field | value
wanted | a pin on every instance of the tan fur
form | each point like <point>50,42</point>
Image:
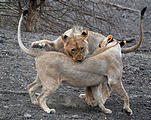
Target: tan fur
<point>72,42</point>
<point>93,41</point>
<point>54,68</point>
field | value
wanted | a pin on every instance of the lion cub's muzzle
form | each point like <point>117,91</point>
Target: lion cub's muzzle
<point>79,58</point>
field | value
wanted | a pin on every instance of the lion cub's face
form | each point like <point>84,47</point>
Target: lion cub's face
<point>76,46</point>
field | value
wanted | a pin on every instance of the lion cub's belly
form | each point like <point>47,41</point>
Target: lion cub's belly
<point>84,79</point>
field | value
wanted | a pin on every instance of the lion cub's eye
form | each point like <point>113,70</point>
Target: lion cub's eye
<point>82,48</point>
<point>65,36</point>
<point>73,50</point>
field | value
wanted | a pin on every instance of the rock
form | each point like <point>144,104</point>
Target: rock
<point>75,116</point>
<point>6,107</point>
<point>1,41</point>
<point>26,115</point>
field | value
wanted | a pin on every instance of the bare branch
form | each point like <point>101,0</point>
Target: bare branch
<point>10,92</point>
<point>11,8</point>
<point>115,5</point>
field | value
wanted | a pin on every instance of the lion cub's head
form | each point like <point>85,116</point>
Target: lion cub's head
<point>76,45</point>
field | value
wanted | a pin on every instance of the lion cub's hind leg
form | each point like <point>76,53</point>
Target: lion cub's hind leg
<point>47,89</point>
<point>32,87</point>
<point>116,84</point>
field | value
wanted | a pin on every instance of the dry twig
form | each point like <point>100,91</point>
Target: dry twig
<point>12,92</point>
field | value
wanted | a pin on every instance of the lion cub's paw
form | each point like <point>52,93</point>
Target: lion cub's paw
<point>37,44</point>
<point>128,110</point>
<point>50,111</point>
<point>34,101</point>
<point>108,111</point>
<point>82,96</point>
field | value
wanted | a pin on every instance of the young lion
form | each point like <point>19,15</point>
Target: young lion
<point>74,45</point>
<point>54,68</point>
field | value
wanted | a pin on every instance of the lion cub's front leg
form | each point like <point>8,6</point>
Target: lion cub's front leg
<point>45,44</point>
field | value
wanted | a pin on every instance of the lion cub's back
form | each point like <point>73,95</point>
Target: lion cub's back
<point>94,40</point>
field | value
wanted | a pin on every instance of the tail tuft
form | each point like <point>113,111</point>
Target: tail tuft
<point>143,11</point>
<point>25,12</point>
<point>122,43</point>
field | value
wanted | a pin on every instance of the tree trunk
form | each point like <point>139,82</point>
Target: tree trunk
<point>32,10</point>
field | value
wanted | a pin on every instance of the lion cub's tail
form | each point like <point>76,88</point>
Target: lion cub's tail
<point>30,52</point>
<point>137,45</point>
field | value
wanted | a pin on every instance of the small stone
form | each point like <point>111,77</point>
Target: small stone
<point>26,115</point>
<point>6,106</point>
<point>1,41</point>
<point>75,116</point>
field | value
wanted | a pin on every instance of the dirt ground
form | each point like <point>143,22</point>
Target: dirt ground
<point>17,70</point>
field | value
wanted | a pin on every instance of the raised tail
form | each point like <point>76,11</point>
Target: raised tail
<point>137,45</point>
<point>30,52</point>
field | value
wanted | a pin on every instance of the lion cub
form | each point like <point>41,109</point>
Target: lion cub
<point>74,44</point>
<point>103,45</point>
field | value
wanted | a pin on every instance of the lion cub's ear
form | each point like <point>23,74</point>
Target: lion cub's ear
<point>110,38</point>
<point>85,34</point>
<point>64,38</point>
<point>100,44</point>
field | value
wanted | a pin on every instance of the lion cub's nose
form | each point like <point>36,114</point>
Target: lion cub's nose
<point>79,60</point>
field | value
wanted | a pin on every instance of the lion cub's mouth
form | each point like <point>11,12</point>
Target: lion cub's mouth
<point>80,60</point>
